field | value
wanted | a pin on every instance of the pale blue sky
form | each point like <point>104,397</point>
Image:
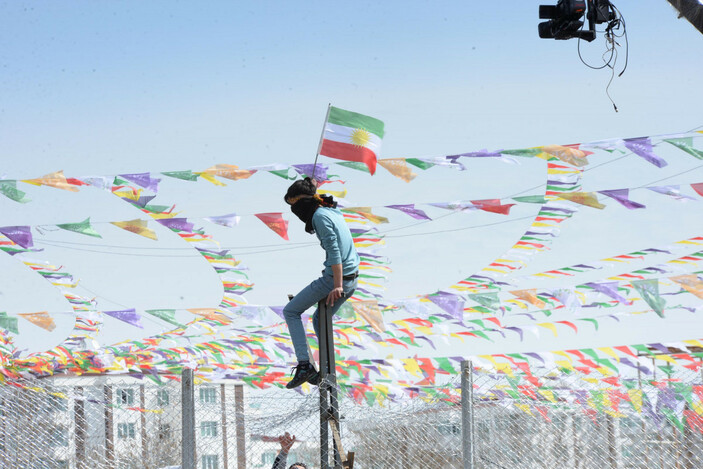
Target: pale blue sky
<point>108,87</point>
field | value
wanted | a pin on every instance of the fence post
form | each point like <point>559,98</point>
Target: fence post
<point>239,423</point>
<point>223,424</point>
<point>79,422</point>
<point>188,419</point>
<point>467,413</point>
<point>142,423</point>
<point>109,427</point>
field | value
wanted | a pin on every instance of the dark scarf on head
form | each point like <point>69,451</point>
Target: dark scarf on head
<point>305,208</point>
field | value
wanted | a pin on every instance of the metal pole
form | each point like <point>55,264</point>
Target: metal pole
<point>322,135</point>
<point>467,412</point>
<point>79,422</point>
<point>109,430</point>
<point>188,420</point>
<point>332,380</point>
<point>324,369</point>
<point>142,421</point>
<point>223,424</point>
<point>239,423</point>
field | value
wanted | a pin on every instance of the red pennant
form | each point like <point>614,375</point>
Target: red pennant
<point>276,222</point>
<point>492,205</point>
<point>698,187</point>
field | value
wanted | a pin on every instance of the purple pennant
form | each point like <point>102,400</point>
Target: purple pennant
<point>278,310</point>
<point>449,302</point>
<point>422,337</point>
<point>130,316</point>
<point>143,200</point>
<point>661,347</point>
<point>306,170</point>
<point>143,179</point>
<point>621,195</point>
<point>21,235</point>
<point>642,147</point>
<point>411,210</point>
<point>453,160</point>
<point>461,206</point>
<point>229,220</point>
<point>608,289</point>
<point>539,233</point>
<point>535,355</point>
<point>637,366</point>
<point>672,191</point>
<point>478,154</point>
<point>212,251</point>
<point>516,329</point>
<point>177,224</point>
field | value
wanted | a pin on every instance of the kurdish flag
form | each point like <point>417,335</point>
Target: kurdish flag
<point>352,137</point>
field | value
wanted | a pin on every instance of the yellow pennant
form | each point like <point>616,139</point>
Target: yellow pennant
<point>371,313</point>
<point>550,326</point>
<point>366,213</point>
<point>228,171</point>
<point>210,313</point>
<point>41,319</point>
<point>588,199</point>
<point>690,283</point>
<point>568,155</point>
<point>136,226</point>
<point>530,295</point>
<point>57,180</point>
<point>398,167</point>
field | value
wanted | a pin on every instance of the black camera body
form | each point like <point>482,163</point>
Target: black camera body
<point>564,20</point>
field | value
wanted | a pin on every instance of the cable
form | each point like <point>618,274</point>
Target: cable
<point>286,248</point>
<point>610,33</point>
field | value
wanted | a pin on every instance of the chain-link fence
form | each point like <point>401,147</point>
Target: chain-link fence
<point>553,420</point>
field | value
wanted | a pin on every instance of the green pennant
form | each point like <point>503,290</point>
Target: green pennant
<point>445,365</point>
<point>608,363</point>
<point>531,199</point>
<point>526,152</point>
<point>482,335</point>
<point>118,181</point>
<point>686,144</point>
<point>156,208</point>
<point>283,173</point>
<point>489,300</point>
<point>82,228</point>
<point>649,290</point>
<point>595,323</point>
<point>9,190</point>
<point>168,315</point>
<point>642,348</point>
<point>184,175</point>
<point>355,165</point>
<point>8,323</point>
<point>419,163</point>
<point>673,419</point>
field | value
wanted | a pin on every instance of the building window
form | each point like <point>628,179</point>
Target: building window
<point>162,398</point>
<point>208,428</point>
<point>164,431</point>
<point>209,461</point>
<point>449,429</point>
<point>208,395</point>
<point>126,430</point>
<point>125,397</point>
<point>57,404</point>
<point>59,437</point>
<point>268,458</point>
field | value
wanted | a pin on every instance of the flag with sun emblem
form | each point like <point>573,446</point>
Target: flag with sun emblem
<point>351,136</point>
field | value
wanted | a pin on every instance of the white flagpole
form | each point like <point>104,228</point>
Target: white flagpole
<point>319,146</point>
